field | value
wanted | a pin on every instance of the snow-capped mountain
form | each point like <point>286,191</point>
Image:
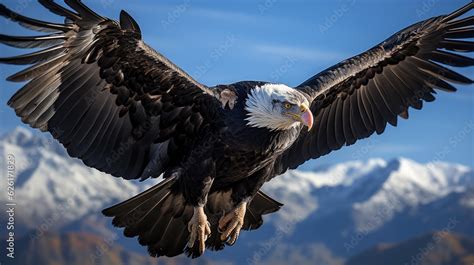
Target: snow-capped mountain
<point>51,187</point>
<point>369,187</point>
<point>345,206</point>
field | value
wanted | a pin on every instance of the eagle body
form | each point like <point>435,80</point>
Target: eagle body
<point>238,152</point>
<point>126,110</point>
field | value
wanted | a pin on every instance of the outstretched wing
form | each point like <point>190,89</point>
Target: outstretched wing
<point>359,96</point>
<point>103,93</point>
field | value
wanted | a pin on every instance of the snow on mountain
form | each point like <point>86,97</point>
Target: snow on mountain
<point>299,190</point>
<point>408,185</point>
<point>371,188</point>
<point>51,185</point>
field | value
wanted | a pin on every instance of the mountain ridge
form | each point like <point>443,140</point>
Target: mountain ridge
<point>345,207</point>
<point>437,248</point>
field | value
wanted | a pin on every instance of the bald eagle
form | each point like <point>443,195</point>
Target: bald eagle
<point>126,110</point>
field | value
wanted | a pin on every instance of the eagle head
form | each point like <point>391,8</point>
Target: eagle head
<point>277,107</point>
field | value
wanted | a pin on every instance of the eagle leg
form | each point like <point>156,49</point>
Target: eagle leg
<point>199,229</point>
<point>232,222</point>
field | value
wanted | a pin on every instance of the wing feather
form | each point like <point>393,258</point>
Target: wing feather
<point>102,92</point>
<point>357,124</point>
<point>32,41</point>
<point>339,132</point>
<point>346,123</point>
<point>360,95</point>
<point>364,113</point>
<point>33,24</point>
<point>462,33</point>
<point>331,135</point>
<point>322,137</point>
<point>59,10</point>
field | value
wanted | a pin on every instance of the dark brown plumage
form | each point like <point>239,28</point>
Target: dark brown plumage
<point>125,109</point>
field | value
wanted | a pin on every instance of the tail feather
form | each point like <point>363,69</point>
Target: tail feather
<point>130,204</point>
<point>159,217</point>
<point>145,215</point>
<point>173,238</point>
<point>260,205</point>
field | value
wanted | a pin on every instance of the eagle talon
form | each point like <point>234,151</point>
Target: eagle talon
<point>199,229</point>
<point>219,230</point>
<point>231,224</point>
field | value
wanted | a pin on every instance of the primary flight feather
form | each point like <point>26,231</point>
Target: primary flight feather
<point>126,110</point>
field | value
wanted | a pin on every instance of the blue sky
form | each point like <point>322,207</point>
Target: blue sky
<point>221,42</point>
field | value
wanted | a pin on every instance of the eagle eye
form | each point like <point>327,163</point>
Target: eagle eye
<point>287,105</point>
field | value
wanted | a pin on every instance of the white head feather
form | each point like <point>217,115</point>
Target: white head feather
<point>261,110</point>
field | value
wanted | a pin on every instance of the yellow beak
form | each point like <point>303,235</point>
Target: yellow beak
<point>306,117</point>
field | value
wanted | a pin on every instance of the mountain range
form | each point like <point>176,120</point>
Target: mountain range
<point>439,248</point>
<point>331,213</point>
